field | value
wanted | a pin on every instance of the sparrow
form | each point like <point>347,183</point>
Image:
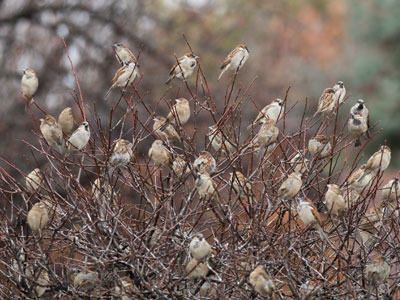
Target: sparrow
<point>29,83</point>
<point>205,162</point>
<point>34,180</point>
<point>123,54</point>
<point>272,111</point>
<point>218,141</point>
<point>43,282</point>
<point>334,201</point>
<point>79,139</point>
<point>290,187</point>
<point>380,160</point>
<point>370,225</point>
<point>199,247</point>
<point>309,214</point>
<point>240,186</point>
<point>164,130</point>
<point>38,216</point>
<point>179,166</point>
<point>84,281</point>
<point>208,288</point>
<point>320,145</point>
<point>124,76</point>
<point>360,108</point>
<point>122,154</point>
<point>66,120</point>
<point>360,179</point>
<point>205,185</point>
<point>183,68</point>
<point>350,196</point>
<point>357,126</point>
<point>340,92</point>
<point>179,111</point>
<point>127,289</point>
<point>326,101</point>
<point>299,163</point>
<point>378,271</point>
<point>235,59</point>
<point>160,155</point>
<point>196,269</point>
<point>52,133</point>
<point>391,190</point>
<point>262,282</point>
<point>266,136</point>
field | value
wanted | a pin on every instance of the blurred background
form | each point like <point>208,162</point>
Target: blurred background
<point>307,45</point>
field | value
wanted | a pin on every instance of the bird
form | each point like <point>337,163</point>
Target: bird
<point>38,216</point>
<point>360,108</point>
<point>160,155</point>
<point>299,163</point>
<point>66,120</point>
<point>43,281</point>
<point>127,289</point>
<point>309,214</point>
<point>123,77</point>
<point>179,166</point>
<point>380,160</point>
<point>272,111</point>
<point>122,154</point>
<point>262,282</point>
<point>357,126</point>
<point>79,139</point>
<point>33,180</point>
<point>326,101</point>
<point>123,54</point>
<point>340,92</point>
<point>199,247</point>
<point>164,130</point>
<point>266,136</point>
<point>320,145</point>
<point>235,59</point>
<point>218,141</point>
<point>334,201</point>
<point>84,281</point>
<point>240,186</point>
<point>360,179</point>
<point>205,162</point>
<point>196,269</point>
<point>370,225</point>
<point>391,190</point>
<point>179,111</point>
<point>290,187</point>
<point>183,68</point>
<point>205,185</point>
<point>377,272</point>
<point>29,83</point>
<point>52,133</point>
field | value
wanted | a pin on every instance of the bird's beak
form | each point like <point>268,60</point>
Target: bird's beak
<point>115,46</point>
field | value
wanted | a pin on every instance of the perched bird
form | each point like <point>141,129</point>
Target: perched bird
<point>43,281</point>
<point>79,139</point>
<point>235,59</point>
<point>240,186</point>
<point>122,154</point>
<point>380,160</point>
<point>326,101</point>
<point>378,271</point>
<point>272,111</point>
<point>196,269</point>
<point>205,162</point>
<point>350,196</point>
<point>360,179</point>
<point>199,247</point>
<point>209,288</point>
<point>179,166</point>
<point>309,214</point>
<point>29,83</point>
<point>218,141</point>
<point>391,190</point>
<point>357,126</point>
<point>160,155</point>
<point>34,180</point>
<point>164,130</point>
<point>38,216</point>
<point>183,68</point>
<point>262,282</point>
<point>290,187</point>
<point>320,145</point>
<point>84,281</point>
<point>66,120</point>
<point>52,133</point>
<point>124,76</point>
<point>299,163</point>
<point>370,225</point>
<point>127,289</point>
<point>340,92</point>
<point>179,111</point>
<point>123,54</point>
<point>360,108</point>
<point>205,185</point>
<point>334,201</point>
<point>266,136</point>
